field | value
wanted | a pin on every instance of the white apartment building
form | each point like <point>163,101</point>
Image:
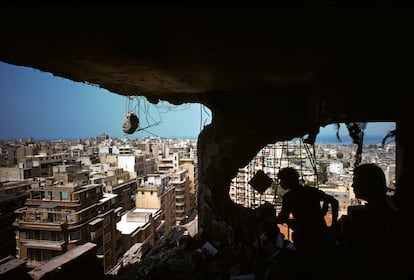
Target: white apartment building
<point>129,163</point>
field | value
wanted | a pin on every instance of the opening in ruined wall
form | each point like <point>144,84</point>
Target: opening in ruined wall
<point>53,107</point>
<point>327,163</point>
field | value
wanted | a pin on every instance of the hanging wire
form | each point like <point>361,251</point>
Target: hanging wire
<point>315,165</point>
<point>274,174</point>
<point>300,158</point>
<point>312,158</point>
<point>153,134</point>
<point>279,163</point>
<point>165,107</point>
<point>141,108</point>
<point>253,170</point>
<point>287,154</point>
<point>146,108</point>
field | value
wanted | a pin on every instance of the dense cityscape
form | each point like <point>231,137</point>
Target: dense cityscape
<point>123,194</point>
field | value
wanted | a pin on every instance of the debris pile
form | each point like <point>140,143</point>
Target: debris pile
<point>180,256</point>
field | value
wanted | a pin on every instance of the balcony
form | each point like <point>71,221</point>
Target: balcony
<point>44,244</point>
<point>44,220</point>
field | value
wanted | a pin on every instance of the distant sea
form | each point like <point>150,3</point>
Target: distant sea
<point>345,139</point>
<point>331,139</point>
<point>326,139</point>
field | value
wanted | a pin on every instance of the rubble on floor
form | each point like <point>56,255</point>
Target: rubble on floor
<point>180,256</point>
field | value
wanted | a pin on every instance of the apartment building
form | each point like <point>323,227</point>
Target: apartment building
<point>191,166</point>
<point>181,182</point>
<point>45,161</point>
<point>111,159</point>
<point>73,172</point>
<point>154,214</point>
<point>59,217</point>
<point>157,192</point>
<point>117,181</point>
<point>13,196</point>
<point>8,155</point>
<point>18,173</point>
<point>24,151</point>
<point>141,226</point>
<point>183,172</point>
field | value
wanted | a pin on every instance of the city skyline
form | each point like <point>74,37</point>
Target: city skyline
<point>40,105</point>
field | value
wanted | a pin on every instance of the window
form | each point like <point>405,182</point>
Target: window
<point>64,195</point>
<point>51,217</point>
<point>45,235</point>
<point>74,236</point>
<point>31,255</point>
<point>30,234</point>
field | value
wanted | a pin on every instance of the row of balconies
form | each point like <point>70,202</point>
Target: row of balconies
<point>44,244</point>
<point>57,217</point>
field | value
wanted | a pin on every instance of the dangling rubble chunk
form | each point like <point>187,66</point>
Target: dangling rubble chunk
<point>131,123</point>
<point>260,181</point>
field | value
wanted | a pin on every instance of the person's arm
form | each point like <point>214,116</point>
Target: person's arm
<point>325,207</point>
<point>283,216</point>
<point>334,208</point>
<point>329,199</point>
<point>335,211</point>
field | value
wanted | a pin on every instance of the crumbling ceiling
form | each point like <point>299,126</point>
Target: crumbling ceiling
<point>186,52</point>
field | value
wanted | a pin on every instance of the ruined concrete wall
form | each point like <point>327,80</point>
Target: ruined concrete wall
<point>239,129</point>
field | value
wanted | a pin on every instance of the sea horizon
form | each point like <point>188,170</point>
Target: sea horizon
<point>346,139</point>
<point>320,139</point>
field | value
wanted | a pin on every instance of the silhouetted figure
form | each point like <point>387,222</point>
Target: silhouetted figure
<point>304,209</point>
<point>269,238</point>
<point>269,233</point>
<point>404,193</point>
<point>368,232</point>
<point>402,234</point>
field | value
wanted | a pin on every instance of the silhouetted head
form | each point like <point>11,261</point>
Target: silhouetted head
<point>288,177</point>
<point>369,182</point>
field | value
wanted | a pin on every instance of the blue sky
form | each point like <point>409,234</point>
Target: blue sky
<point>42,106</point>
<point>39,105</point>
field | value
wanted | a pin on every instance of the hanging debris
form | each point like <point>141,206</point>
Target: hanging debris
<point>356,132</point>
<point>390,134</point>
<point>260,182</point>
<point>311,136</point>
<point>131,123</point>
